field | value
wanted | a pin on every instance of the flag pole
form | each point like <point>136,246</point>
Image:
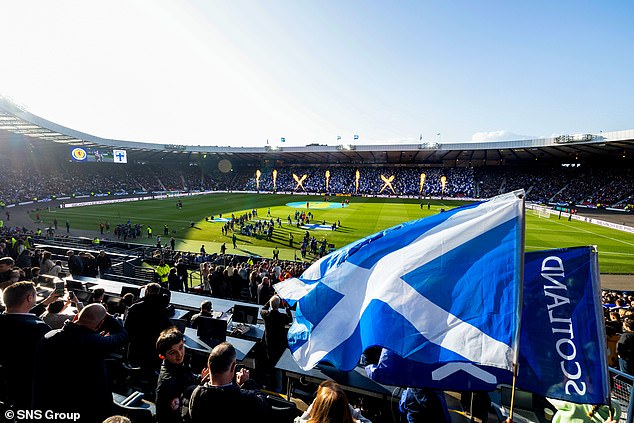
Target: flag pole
<point>516,352</point>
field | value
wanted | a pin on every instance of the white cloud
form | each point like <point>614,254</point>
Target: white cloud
<point>501,135</point>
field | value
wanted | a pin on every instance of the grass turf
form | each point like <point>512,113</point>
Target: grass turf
<point>362,217</point>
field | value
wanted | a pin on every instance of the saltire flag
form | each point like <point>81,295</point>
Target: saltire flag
<point>443,289</point>
<point>356,137</point>
<point>562,338</point>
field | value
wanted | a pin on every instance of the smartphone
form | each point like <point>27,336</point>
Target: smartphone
<point>59,289</point>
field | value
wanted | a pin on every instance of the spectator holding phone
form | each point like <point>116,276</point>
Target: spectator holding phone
<point>80,345</point>
<point>54,315</point>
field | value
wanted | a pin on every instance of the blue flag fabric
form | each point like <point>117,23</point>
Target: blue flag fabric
<point>562,348</point>
<point>441,289</point>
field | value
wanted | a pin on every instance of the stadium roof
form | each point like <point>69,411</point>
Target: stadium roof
<point>15,120</point>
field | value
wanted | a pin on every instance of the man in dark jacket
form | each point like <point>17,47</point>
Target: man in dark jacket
<point>104,263</point>
<point>220,399</point>
<point>78,348</point>
<point>183,274</point>
<point>75,264</point>
<point>146,320</point>
<point>21,330</point>
<point>275,328</point>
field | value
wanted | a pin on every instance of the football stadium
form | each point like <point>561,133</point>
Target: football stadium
<point>359,279</point>
<point>278,210</point>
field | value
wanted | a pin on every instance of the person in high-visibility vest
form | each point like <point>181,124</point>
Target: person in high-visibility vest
<point>163,271</point>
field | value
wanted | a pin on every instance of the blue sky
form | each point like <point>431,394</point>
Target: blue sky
<point>240,72</point>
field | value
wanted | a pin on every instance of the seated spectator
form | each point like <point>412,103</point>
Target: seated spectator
<point>424,405</point>
<point>79,346</point>
<point>8,274</point>
<point>98,296</point>
<point>220,399</point>
<point>205,310</point>
<point>331,405</point>
<point>56,270</point>
<point>176,381</point>
<point>55,316</point>
<point>117,419</point>
<point>22,330</point>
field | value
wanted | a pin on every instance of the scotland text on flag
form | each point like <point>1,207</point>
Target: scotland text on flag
<point>445,287</point>
<point>562,341</point>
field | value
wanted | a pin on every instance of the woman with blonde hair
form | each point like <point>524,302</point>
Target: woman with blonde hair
<point>331,406</point>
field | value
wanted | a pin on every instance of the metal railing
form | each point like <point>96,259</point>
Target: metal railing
<point>621,393</point>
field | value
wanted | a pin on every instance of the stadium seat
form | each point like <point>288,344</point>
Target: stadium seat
<point>134,408</point>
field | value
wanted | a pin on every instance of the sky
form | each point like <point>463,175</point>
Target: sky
<point>241,72</point>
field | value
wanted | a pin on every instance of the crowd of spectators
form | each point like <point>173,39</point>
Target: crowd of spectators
<point>370,180</point>
<point>583,185</point>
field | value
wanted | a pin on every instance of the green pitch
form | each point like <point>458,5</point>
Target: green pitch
<point>363,216</point>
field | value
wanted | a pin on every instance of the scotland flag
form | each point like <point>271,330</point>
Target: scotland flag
<point>443,289</point>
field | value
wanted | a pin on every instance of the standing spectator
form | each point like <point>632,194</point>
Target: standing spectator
<point>104,263</point>
<point>625,348</point>
<point>174,282</point>
<point>265,291</point>
<point>67,226</point>
<point>275,341</point>
<point>183,274</point>
<point>146,319</point>
<point>75,264</point>
<point>78,345</point>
